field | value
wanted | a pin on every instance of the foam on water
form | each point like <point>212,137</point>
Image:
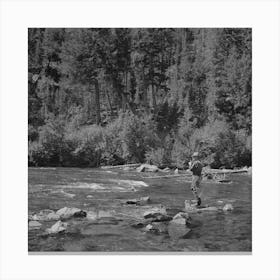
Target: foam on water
<point>131,183</point>
<point>113,185</point>
<point>80,185</point>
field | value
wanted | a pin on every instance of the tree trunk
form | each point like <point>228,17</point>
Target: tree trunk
<point>110,104</point>
<point>97,102</point>
<point>154,97</point>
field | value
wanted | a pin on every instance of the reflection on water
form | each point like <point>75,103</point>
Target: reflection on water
<point>210,231</point>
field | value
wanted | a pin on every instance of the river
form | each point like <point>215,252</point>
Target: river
<point>105,190</point>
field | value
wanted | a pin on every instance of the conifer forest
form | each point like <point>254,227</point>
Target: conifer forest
<point>111,96</point>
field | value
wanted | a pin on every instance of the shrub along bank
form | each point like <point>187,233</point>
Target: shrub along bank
<point>136,139</point>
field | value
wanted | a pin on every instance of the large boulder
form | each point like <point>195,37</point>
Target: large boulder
<point>59,226</point>
<point>147,168</point>
<point>66,213</point>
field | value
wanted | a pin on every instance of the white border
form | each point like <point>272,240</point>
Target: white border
<point>17,16</point>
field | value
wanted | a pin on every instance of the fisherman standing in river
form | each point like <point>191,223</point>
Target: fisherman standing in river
<point>195,167</point>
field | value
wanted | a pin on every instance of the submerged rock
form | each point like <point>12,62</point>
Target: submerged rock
<point>210,208</point>
<point>92,215</point>
<point>157,228</point>
<point>66,213</point>
<point>228,207</point>
<point>59,226</point>
<point>45,215</point>
<point>139,224</point>
<point>53,216</point>
<point>144,200</point>
<point>180,221</point>
<point>160,227</point>
<point>70,195</point>
<point>177,230</point>
<point>157,214</point>
<point>139,201</point>
<point>160,218</point>
<point>132,201</point>
<point>105,214</point>
<point>189,207</point>
<point>34,225</point>
<point>147,168</point>
<point>154,212</point>
<point>224,181</point>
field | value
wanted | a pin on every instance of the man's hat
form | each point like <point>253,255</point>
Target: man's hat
<point>195,154</point>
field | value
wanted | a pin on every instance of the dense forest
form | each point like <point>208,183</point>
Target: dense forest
<point>102,96</point>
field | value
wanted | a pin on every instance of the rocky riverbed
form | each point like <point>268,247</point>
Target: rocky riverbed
<point>115,210</point>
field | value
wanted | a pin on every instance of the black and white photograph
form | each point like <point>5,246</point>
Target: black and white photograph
<point>140,140</point>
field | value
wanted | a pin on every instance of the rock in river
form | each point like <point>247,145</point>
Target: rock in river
<point>45,215</point>
<point>182,215</point>
<point>189,207</point>
<point>181,218</point>
<point>34,225</point>
<point>155,210</point>
<point>139,201</point>
<point>176,230</point>
<point>228,207</point>
<point>57,227</point>
<point>157,228</point>
<point>209,208</point>
<point>66,213</point>
<point>147,168</point>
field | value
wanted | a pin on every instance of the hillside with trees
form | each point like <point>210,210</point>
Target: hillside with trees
<point>106,96</point>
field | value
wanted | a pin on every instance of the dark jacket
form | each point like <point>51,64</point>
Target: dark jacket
<point>196,168</point>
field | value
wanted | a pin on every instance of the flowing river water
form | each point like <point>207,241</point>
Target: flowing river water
<point>104,191</point>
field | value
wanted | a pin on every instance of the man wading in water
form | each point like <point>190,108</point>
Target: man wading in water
<point>196,167</point>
